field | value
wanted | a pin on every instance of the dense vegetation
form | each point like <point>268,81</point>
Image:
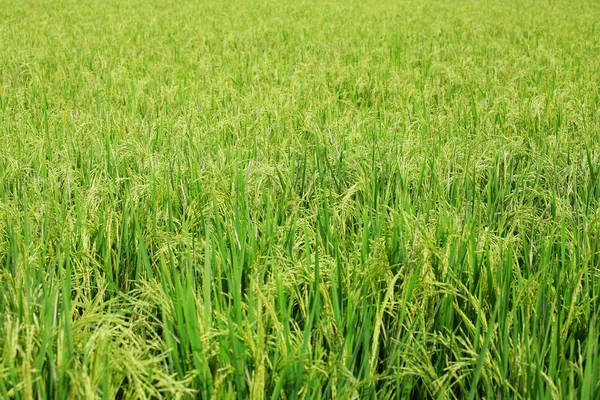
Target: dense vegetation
<point>315,199</point>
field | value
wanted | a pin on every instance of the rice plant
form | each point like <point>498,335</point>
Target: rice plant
<point>299,200</point>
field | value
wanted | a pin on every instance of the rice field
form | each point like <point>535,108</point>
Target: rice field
<point>300,199</point>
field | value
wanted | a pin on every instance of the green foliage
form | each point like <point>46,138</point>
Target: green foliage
<point>299,200</point>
